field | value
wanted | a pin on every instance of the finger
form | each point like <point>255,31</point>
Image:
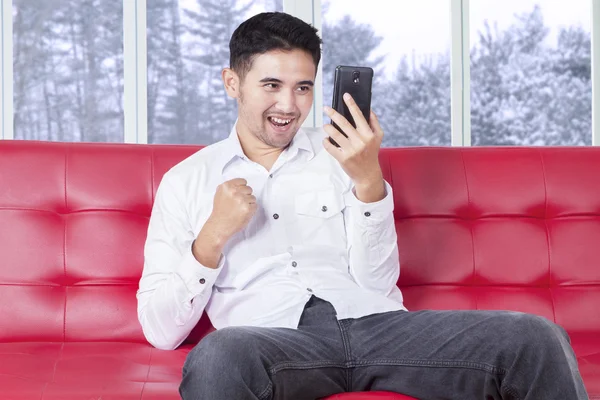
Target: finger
<point>251,199</point>
<point>362,126</point>
<point>238,182</point>
<point>244,189</point>
<point>343,123</point>
<point>375,126</point>
<point>337,136</point>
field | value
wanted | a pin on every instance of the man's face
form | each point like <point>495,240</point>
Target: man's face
<point>276,95</point>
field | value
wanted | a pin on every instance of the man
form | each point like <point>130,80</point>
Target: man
<point>288,243</point>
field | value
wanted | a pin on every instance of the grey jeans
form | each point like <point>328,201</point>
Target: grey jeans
<point>463,355</point>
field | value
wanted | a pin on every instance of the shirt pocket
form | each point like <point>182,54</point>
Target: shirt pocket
<point>319,218</point>
<point>319,204</point>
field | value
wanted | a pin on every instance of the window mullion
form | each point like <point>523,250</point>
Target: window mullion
<point>460,75</point>
<point>6,100</point>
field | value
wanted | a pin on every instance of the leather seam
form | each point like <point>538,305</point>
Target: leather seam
<point>462,158</point>
<point>65,246</point>
<point>65,282</point>
<point>547,235</point>
<point>62,346</point>
<point>44,390</point>
<point>60,354</point>
<point>147,374</point>
<point>89,210</point>
<point>66,175</point>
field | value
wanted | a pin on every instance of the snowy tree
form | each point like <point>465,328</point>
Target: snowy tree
<point>346,42</point>
<point>174,111</point>
<point>526,91</point>
<point>417,104</point>
<point>211,28</point>
<point>68,64</point>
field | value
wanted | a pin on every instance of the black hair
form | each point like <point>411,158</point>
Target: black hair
<point>271,31</point>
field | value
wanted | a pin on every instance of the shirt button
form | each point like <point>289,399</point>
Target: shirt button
<point>202,281</point>
<point>276,216</point>
<point>270,175</point>
<point>324,208</point>
<point>367,214</point>
<point>309,289</point>
<point>294,264</point>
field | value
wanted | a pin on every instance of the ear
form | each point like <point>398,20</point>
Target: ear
<point>231,80</point>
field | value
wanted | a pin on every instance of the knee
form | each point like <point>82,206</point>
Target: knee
<point>536,331</point>
<point>221,351</point>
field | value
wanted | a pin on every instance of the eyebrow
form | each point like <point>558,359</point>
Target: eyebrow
<point>275,80</point>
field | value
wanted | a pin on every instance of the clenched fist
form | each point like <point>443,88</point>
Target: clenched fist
<point>233,208</point>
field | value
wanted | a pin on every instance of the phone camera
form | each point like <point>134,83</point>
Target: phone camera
<point>355,76</point>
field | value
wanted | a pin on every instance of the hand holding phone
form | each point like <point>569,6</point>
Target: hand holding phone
<point>357,81</point>
<point>355,135</point>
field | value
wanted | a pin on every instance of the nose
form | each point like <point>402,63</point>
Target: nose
<point>286,101</point>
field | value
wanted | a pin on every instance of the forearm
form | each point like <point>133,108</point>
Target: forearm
<point>208,246</point>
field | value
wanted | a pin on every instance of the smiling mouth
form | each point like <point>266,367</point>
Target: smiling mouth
<point>280,122</point>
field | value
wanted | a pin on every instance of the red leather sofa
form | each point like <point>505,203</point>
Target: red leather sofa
<point>478,228</point>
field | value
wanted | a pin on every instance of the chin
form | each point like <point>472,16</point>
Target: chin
<point>280,143</point>
<point>280,140</point>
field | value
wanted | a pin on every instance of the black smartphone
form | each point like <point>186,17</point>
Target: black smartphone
<point>358,82</point>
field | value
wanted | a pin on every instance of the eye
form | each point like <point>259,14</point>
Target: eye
<point>271,85</point>
<point>304,88</point>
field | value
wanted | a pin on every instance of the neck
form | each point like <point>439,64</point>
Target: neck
<point>256,150</point>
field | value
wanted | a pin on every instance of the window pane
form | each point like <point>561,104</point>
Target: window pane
<point>188,46</point>
<point>531,72</point>
<point>68,70</point>
<point>408,46</point>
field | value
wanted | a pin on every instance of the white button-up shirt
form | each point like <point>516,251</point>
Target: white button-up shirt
<point>309,236</point>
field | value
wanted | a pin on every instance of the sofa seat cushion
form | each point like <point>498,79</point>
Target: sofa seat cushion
<point>587,349</point>
<point>90,370</point>
<point>120,371</point>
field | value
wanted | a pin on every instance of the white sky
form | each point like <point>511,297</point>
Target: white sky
<point>423,26</point>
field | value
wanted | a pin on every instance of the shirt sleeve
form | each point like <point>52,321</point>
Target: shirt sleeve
<point>174,288</point>
<point>372,242</point>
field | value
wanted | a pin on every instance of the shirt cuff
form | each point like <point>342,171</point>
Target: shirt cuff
<point>371,213</point>
<point>196,277</point>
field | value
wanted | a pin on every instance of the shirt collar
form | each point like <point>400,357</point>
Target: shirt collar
<point>233,148</point>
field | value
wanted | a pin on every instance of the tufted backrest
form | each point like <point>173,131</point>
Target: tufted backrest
<point>500,228</point>
<point>73,220</point>
<point>487,228</point>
